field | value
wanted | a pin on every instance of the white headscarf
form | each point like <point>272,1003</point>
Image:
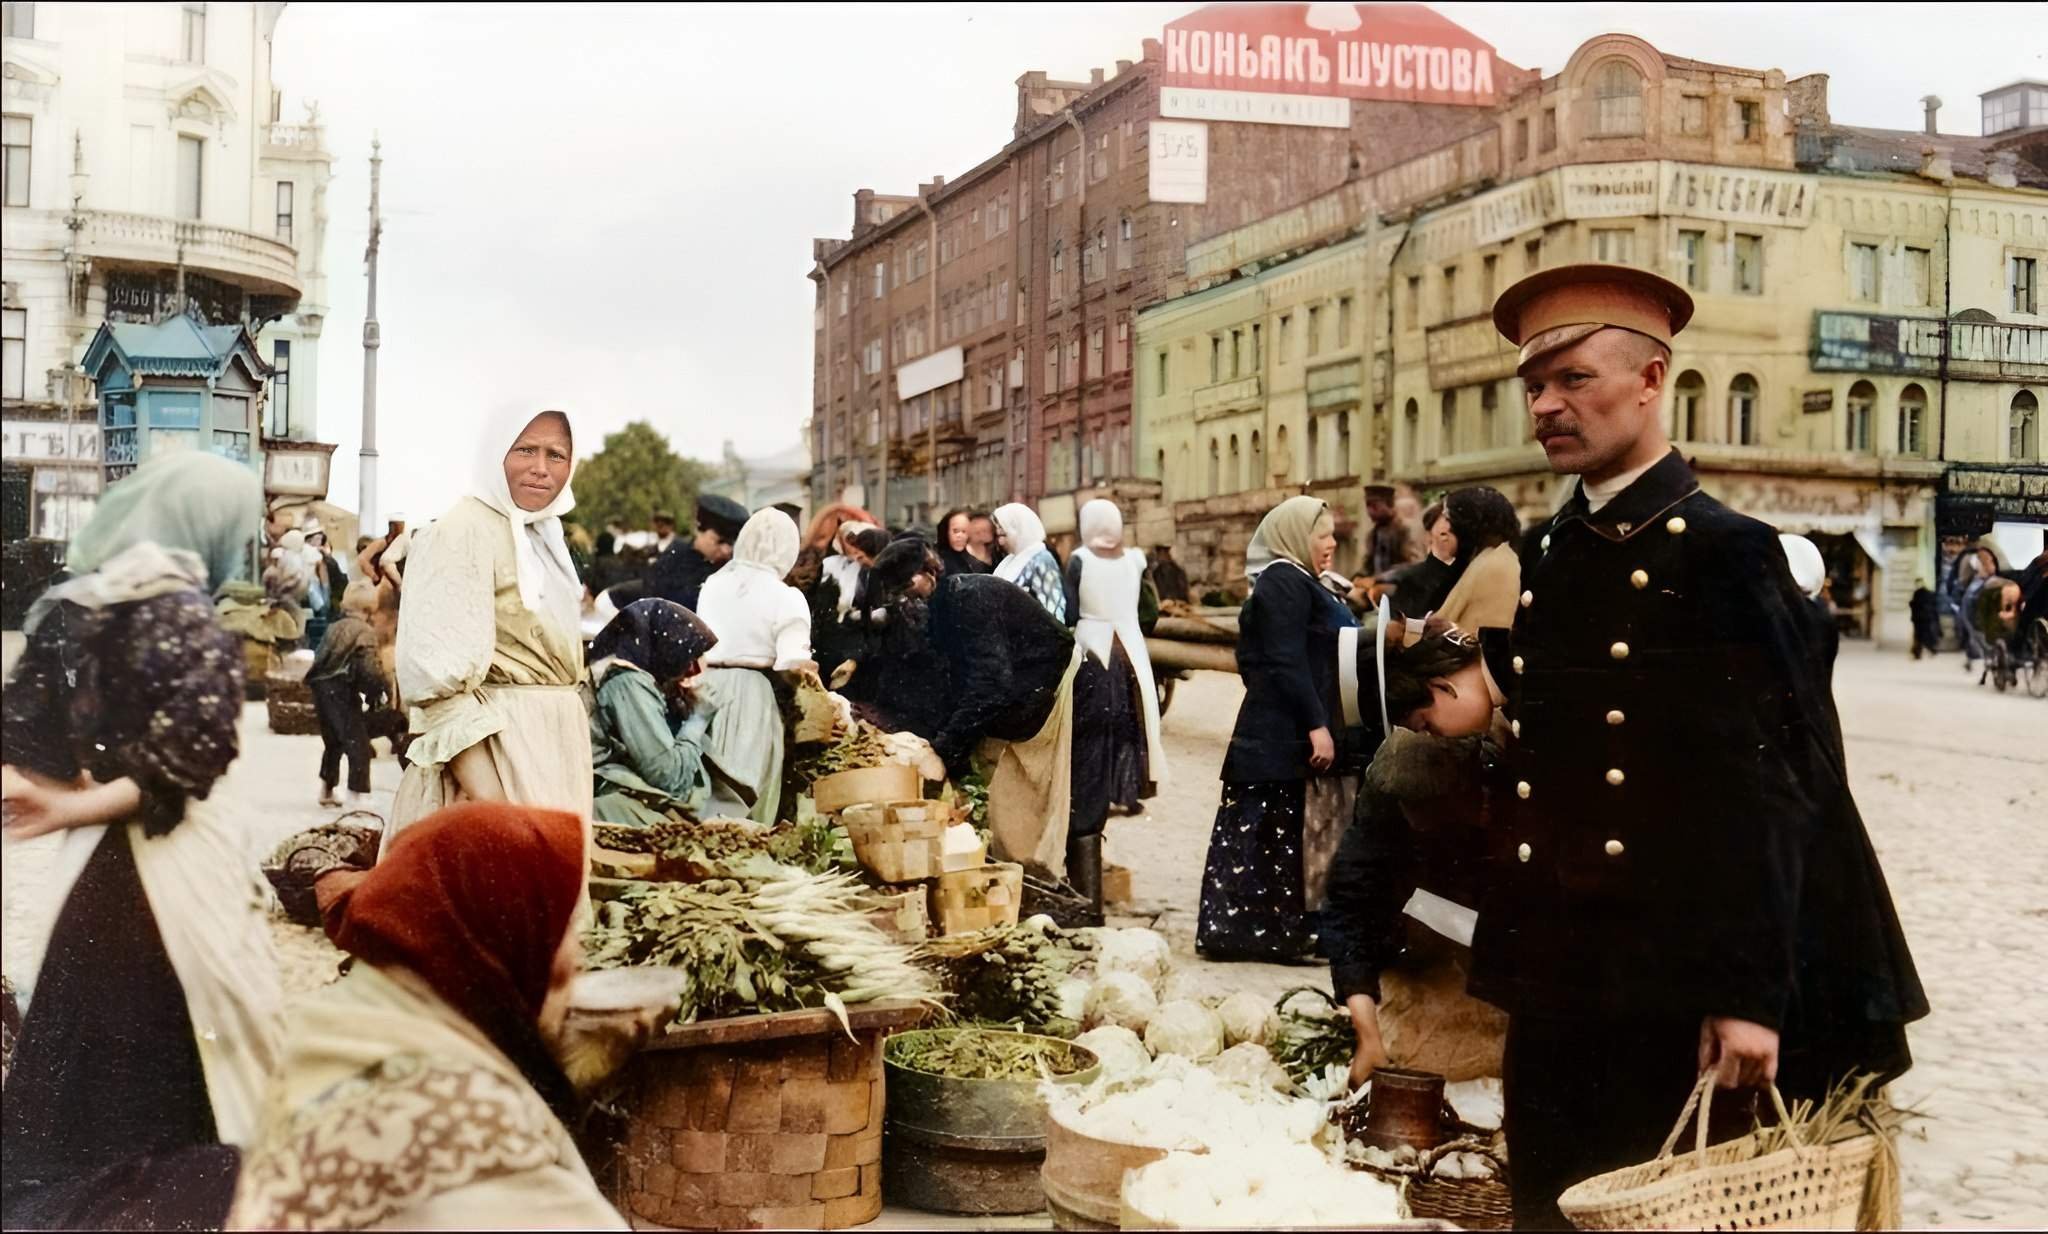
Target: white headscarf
<point>1102,527</point>
<point>1025,533</point>
<point>1808,570</point>
<point>769,542</point>
<point>545,567</point>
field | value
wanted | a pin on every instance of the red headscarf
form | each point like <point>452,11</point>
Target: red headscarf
<point>475,899</point>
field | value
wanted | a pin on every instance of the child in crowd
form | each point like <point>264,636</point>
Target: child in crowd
<point>347,678</point>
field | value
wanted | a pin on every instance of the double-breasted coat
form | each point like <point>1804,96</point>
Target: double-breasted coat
<point>1674,832</point>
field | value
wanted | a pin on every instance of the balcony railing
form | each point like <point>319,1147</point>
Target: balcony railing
<point>309,137</point>
<point>256,263</point>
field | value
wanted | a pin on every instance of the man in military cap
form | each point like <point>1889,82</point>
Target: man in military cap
<point>679,573</point>
<point>1680,880</point>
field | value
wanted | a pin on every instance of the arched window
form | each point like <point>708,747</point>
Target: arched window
<point>1617,100</point>
<point>1447,430</point>
<point>1258,476</point>
<point>1235,476</point>
<point>1283,456</point>
<point>1742,410</point>
<point>1912,420</point>
<point>1315,448</point>
<point>1862,404</point>
<point>1159,468</point>
<point>1215,485</point>
<point>1688,397</point>
<point>1411,432</point>
<point>1344,467</point>
<point>2024,428</point>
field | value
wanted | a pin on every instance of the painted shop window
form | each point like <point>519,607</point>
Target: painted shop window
<point>2026,288</point>
<point>1742,396</point>
<point>1749,265</point>
<point>2023,441</point>
<point>1862,401</point>
<point>1912,420</point>
<point>1617,100</point>
<point>19,139</point>
<point>1692,258</point>
<point>1863,273</point>
<point>1688,396</point>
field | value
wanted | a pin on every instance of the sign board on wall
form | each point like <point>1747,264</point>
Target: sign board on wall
<point>1178,166</point>
<point>295,473</point>
<point>1464,352</point>
<point>1390,52</point>
<point>1817,400</point>
<point>1977,351</point>
<point>1644,189</point>
<point>50,441</point>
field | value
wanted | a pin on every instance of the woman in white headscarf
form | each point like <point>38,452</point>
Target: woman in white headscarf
<point>490,648</point>
<point>1030,564</point>
<point>1118,759</point>
<point>763,626</point>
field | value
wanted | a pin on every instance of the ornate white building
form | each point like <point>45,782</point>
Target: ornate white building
<point>150,168</point>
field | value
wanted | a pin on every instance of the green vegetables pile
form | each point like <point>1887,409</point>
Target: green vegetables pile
<point>779,942</point>
<point>725,845</point>
<point>978,1054</point>
<point>857,747</point>
<point>1010,976</point>
<point>1313,1033</point>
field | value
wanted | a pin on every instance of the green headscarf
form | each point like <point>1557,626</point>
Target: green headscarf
<point>1289,531</point>
<point>192,501</point>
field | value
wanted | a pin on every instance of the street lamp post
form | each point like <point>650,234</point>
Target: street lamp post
<point>78,271</point>
<point>372,339</point>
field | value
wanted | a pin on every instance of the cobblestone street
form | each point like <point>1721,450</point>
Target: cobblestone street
<point>1941,769</point>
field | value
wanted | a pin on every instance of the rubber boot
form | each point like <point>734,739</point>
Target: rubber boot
<point>1084,871</point>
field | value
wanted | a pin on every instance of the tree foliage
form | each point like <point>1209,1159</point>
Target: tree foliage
<point>635,474</point>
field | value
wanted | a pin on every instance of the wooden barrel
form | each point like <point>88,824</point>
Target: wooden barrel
<point>1083,1178</point>
<point>966,1146</point>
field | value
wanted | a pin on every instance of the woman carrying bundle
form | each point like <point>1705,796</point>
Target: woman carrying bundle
<point>646,743</point>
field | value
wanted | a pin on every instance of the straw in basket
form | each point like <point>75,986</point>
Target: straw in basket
<point>1844,1185</point>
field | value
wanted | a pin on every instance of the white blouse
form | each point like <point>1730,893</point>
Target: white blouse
<point>760,621</point>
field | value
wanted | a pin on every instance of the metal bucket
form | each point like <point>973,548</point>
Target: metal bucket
<point>966,1146</point>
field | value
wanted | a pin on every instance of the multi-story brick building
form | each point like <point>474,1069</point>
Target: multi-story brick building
<point>1868,321</point>
<point>973,342</point>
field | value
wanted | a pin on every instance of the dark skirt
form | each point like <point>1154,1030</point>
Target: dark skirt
<point>1112,767</point>
<point>1252,897</point>
<point>107,1122</point>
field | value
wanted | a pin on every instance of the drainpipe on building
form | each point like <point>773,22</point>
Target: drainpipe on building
<point>1948,213</point>
<point>826,495</point>
<point>1081,460</point>
<point>931,325</point>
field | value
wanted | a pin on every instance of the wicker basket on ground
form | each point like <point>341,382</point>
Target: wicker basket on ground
<point>289,700</point>
<point>301,860</point>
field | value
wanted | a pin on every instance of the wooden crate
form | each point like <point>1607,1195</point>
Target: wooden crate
<point>757,1122</point>
<point>893,782</point>
<point>901,913</point>
<point>976,899</point>
<point>899,842</point>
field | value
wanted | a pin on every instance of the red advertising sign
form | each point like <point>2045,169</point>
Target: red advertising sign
<point>1398,52</point>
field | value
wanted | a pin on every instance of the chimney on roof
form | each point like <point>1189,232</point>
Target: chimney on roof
<point>1932,103</point>
<point>2005,169</point>
<point>1094,77</point>
<point>1122,67</point>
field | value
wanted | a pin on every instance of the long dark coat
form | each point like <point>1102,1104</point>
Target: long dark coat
<point>1678,837</point>
<point>1006,656</point>
<point>1287,656</point>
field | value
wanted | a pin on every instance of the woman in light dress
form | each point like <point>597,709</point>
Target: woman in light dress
<point>490,649</point>
<point>1030,564</point>
<point>763,627</point>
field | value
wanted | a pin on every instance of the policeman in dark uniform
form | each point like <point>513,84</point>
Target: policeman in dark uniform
<point>679,573</point>
<point>1680,879</point>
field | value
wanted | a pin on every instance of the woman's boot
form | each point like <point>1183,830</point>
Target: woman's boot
<point>1084,871</point>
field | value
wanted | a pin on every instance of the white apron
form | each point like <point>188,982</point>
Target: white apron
<point>1110,588</point>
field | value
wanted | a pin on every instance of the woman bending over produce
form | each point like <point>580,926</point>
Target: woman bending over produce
<point>645,743</point>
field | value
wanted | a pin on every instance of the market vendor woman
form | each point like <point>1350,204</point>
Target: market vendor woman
<point>646,747</point>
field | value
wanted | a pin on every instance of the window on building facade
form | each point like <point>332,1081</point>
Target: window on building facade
<point>1058,191</point>
<point>1522,138</point>
<point>871,360</point>
<point>1344,444</point>
<point>1126,246</point>
<point>1315,329</point>
<point>1159,370</point>
<point>1411,431</point>
<point>1413,303</point>
<point>1234,477</point>
<point>20,21</point>
<point>1548,141</point>
<point>1052,367</point>
<point>1617,100</point>
<point>284,211</point>
<point>1093,263</point>
<point>1120,353</point>
<point>1258,348</point>
<point>1861,406</point>
<point>1489,276</point>
<point>1003,300</point>
<point>1749,120</point>
<point>191,177</point>
<point>1286,338</point>
<point>1070,367</point>
<point>1215,485</point>
<point>845,298</point>
<point>880,286</point>
<point>14,158</point>
<point>1692,259</point>
<point>1863,273</point>
<point>2023,429</point>
<point>2025,285</point>
<point>1095,356</point>
<point>1347,319</point>
<point>1447,426</point>
<point>1918,265</point>
<point>1447,308</point>
<point>1314,469</point>
<point>1098,162</point>
<point>1749,265</point>
<point>195,34</point>
<point>1688,396</point>
<point>14,353</point>
<point>1215,358</point>
<point>1692,115</point>
<point>1616,244</point>
<point>1237,356</point>
<point>1742,399</point>
<point>1489,415</point>
<point>231,428</point>
<point>280,398</point>
<point>1912,420</point>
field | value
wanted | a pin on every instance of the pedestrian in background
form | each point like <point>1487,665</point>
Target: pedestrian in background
<point>956,539</point>
<point>1419,589</point>
<point>1168,579</point>
<point>1027,561</point>
<point>981,539</point>
<point>1926,613</point>
<point>1483,526</point>
<point>680,569</point>
<point>153,1013</point>
<point>1389,543</point>
<point>347,681</point>
<point>763,627</point>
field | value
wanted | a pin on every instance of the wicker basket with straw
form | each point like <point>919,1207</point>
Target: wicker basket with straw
<point>1831,1169</point>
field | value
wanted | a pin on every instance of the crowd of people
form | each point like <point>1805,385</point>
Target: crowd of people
<point>1591,769</point>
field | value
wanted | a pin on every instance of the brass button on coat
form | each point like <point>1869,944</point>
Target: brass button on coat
<point>1616,719</point>
<point>1676,526</point>
<point>1615,777</point>
<point>1640,579</point>
<point>1518,664</point>
<point>1619,651</point>
<point>1614,848</point>
<point>1522,790</point>
<point>1546,544</point>
<point>1524,852</point>
<point>1528,598</point>
<point>1515,727</point>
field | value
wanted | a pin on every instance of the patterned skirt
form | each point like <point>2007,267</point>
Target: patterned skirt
<point>1252,894</point>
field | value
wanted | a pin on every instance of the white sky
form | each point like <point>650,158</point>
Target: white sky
<point>610,208</point>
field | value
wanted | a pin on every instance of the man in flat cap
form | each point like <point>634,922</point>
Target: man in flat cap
<point>679,573</point>
<point>1679,879</point>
